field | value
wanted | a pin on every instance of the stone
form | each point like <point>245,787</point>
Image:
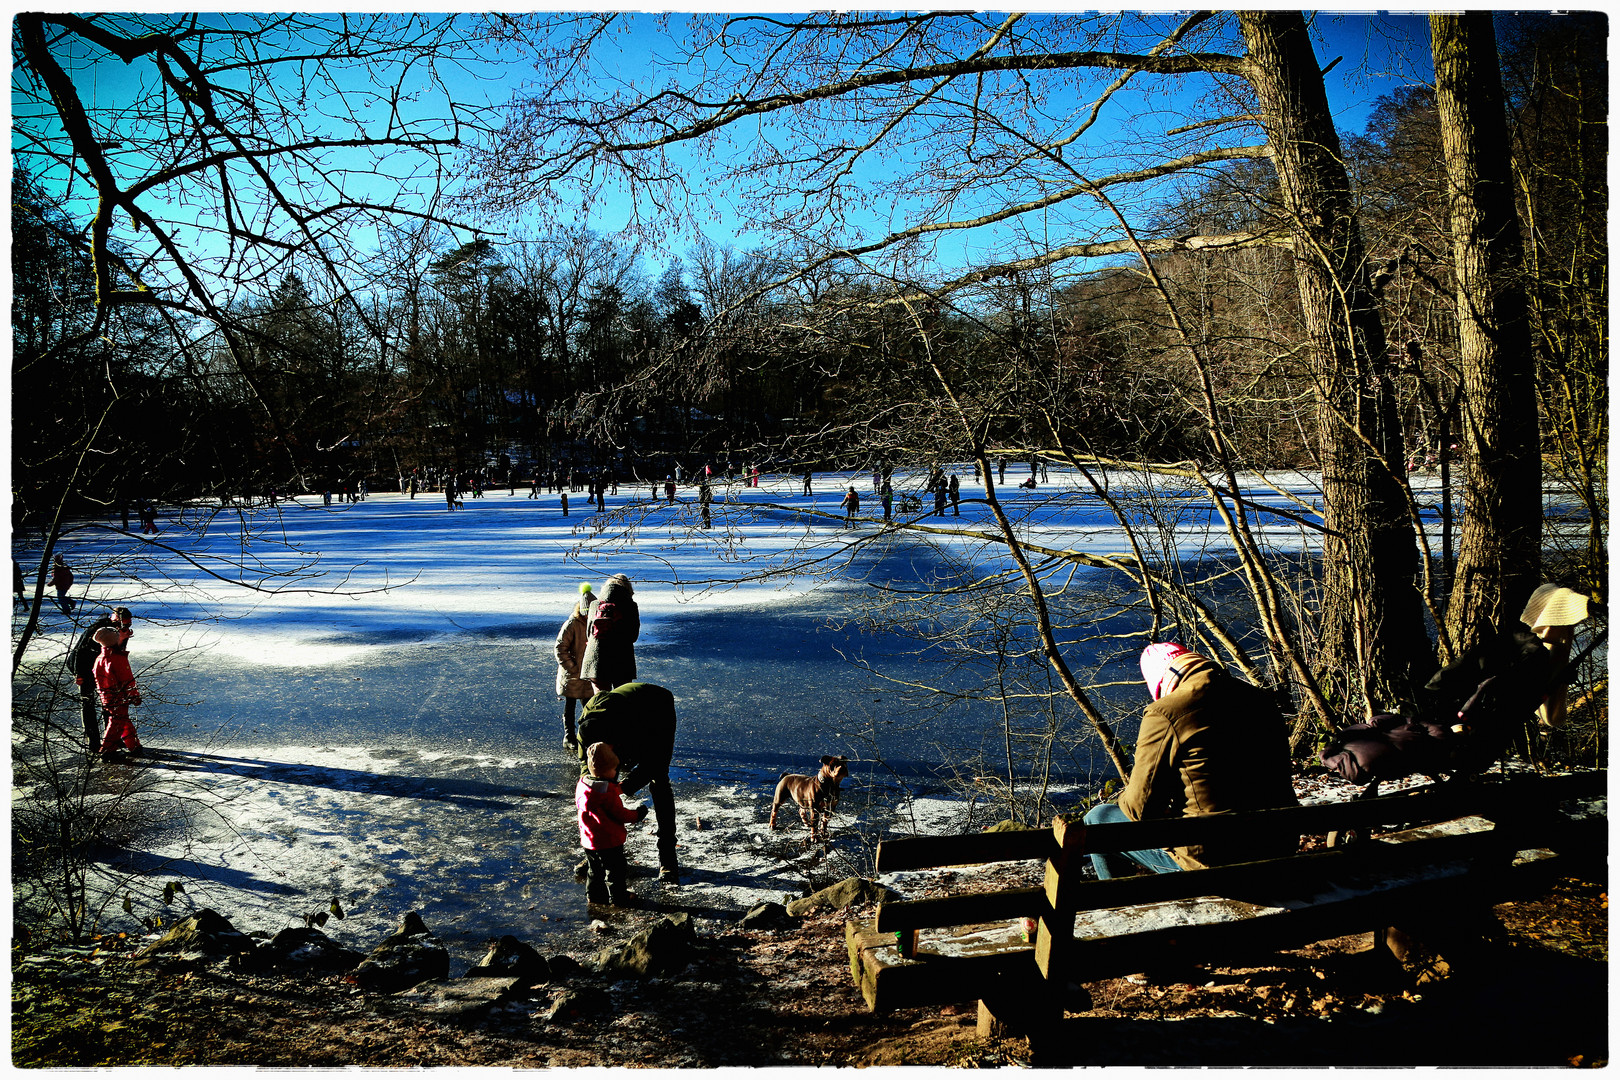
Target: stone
<point>1010,826</point>
<point>461,999</point>
<point>509,957</point>
<point>853,890</point>
<point>204,937</point>
<point>576,1004</point>
<point>563,966</point>
<point>304,948</point>
<point>767,916</point>
<point>409,956</point>
<point>664,947</point>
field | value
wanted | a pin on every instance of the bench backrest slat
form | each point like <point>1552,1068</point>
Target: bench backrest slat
<point>1434,803</point>
<point>961,910</point>
<point>967,849</point>
<point>1292,874</point>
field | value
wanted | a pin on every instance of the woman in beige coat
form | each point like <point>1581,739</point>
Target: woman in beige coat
<point>570,651</point>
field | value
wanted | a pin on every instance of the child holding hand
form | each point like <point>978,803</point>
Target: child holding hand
<point>602,818</point>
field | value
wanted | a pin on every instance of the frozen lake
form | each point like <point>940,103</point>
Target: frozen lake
<point>401,749</point>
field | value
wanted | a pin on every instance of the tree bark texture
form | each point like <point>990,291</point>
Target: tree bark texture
<point>1374,645</point>
<point>1499,546</point>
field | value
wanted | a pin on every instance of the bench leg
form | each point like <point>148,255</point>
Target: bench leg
<point>1033,1016</point>
<point>1432,948</point>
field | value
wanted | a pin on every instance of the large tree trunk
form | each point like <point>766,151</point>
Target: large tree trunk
<point>1499,551</point>
<point>1374,645</point>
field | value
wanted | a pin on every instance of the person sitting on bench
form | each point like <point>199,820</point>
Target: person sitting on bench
<point>1209,744</point>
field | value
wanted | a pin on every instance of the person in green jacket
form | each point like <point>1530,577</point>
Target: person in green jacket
<point>637,719</point>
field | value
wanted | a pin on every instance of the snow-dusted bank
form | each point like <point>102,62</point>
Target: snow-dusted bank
<point>374,720</point>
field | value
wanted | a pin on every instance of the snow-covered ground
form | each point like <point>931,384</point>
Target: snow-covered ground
<point>386,733</point>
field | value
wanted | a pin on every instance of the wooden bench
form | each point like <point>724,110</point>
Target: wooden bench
<point>1456,849</point>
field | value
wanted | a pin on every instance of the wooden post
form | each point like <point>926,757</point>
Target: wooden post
<point>1054,939</point>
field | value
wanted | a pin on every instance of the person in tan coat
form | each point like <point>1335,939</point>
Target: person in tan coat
<point>570,654</point>
<point>1208,744</point>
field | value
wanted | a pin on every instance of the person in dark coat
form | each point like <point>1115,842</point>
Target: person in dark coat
<point>851,502</point>
<point>613,623</point>
<point>1208,744</point>
<point>637,720</point>
<point>62,581</point>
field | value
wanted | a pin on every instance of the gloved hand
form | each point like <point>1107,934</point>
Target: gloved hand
<point>134,697</point>
<point>641,812</point>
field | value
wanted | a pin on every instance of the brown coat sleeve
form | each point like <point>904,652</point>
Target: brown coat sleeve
<point>1155,786</point>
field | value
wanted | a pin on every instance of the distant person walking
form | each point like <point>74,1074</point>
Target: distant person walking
<point>956,496</point>
<point>705,499</point>
<point>563,495</point>
<point>614,623</point>
<point>939,499</point>
<point>570,652</point>
<point>887,494</point>
<point>851,502</point>
<point>807,476</point>
<point>669,488</point>
<point>115,683</point>
<point>62,581</point>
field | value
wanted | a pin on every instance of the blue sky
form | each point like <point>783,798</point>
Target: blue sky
<point>1380,53</point>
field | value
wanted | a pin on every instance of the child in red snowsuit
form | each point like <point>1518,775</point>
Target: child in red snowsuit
<point>602,818</point>
<point>115,683</point>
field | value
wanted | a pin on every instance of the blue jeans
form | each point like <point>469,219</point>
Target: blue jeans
<point>1120,864</point>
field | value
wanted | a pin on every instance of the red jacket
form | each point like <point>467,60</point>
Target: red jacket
<point>602,813</point>
<point>114,679</point>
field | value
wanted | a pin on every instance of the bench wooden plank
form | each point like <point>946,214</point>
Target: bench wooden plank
<point>1429,804</point>
<point>950,966</point>
<point>1000,904</point>
<point>1292,872</point>
<point>967,849</point>
<point>1214,936</point>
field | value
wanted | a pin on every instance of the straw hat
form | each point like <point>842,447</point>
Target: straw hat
<point>1554,605</point>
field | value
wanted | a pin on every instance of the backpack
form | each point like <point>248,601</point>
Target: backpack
<point>82,660</point>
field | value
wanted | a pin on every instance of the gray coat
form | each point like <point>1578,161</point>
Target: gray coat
<point>610,653</point>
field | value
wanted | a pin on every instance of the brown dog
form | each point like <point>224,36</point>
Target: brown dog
<point>815,796</point>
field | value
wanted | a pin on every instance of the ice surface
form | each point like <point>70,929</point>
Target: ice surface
<point>395,744</point>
